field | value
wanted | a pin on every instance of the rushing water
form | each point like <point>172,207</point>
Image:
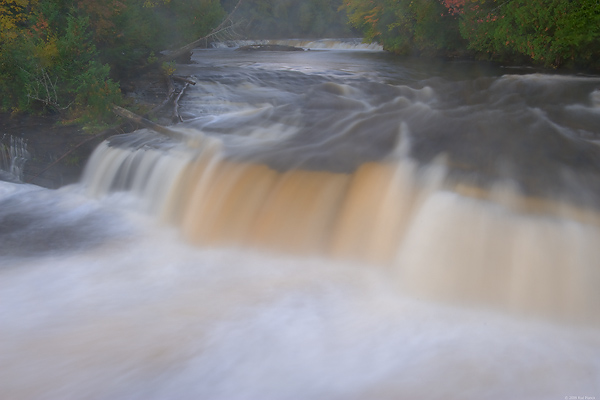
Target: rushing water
<point>337,224</point>
<point>13,156</point>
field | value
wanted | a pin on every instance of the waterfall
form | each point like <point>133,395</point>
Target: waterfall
<point>332,225</point>
<point>436,238</point>
<point>13,157</point>
<point>314,44</point>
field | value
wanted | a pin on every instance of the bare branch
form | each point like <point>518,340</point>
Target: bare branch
<point>41,88</point>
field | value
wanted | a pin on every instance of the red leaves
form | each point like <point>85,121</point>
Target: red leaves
<point>454,7</point>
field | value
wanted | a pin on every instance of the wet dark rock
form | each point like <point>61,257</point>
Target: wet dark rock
<point>46,141</point>
<point>58,152</point>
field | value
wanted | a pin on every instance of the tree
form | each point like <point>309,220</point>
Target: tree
<point>554,33</point>
<point>64,55</point>
<point>407,26</point>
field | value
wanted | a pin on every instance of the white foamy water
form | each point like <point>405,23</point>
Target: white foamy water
<point>336,225</point>
<point>144,316</point>
<point>308,44</point>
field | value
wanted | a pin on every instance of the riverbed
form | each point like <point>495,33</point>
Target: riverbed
<point>337,223</point>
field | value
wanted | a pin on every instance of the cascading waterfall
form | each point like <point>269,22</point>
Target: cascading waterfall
<point>335,224</point>
<point>441,240</point>
<point>319,44</point>
<point>13,157</point>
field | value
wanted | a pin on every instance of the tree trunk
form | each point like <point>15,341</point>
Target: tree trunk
<point>120,111</point>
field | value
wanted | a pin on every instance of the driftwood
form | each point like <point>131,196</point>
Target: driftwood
<point>172,93</point>
<point>173,97</point>
<point>168,99</point>
<point>176,117</point>
<point>120,111</point>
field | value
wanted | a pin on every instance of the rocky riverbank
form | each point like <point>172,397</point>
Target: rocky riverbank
<point>56,153</point>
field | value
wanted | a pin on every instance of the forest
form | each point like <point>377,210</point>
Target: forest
<point>548,33</point>
<point>69,56</point>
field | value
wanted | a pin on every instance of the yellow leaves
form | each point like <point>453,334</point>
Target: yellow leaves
<point>47,52</point>
<point>15,10</point>
<point>7,28</point>
<point>13,13</point>
<point>168,68</point>
<point>155,3</point>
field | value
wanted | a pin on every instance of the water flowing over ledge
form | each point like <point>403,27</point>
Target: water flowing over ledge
<point>13,157</point>
<point>494,200</point>
<point>354,44</point>
<point>441,240</point>
<point>336,224</point>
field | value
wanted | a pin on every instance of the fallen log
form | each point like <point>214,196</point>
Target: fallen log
<point>122,112</point>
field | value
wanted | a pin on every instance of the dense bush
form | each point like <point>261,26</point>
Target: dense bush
<point>66,55</point>
<point>553,33</point>
<point>48,64</point>
<point>407,26</point>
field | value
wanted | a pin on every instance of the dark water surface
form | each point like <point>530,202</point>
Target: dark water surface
<point>339,224</point>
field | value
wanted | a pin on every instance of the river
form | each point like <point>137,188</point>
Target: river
<point>337,223</point>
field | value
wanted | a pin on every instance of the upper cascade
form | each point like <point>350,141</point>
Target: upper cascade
<point>308,44</point>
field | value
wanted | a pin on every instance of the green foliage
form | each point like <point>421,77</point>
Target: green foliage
<point>553,33</point>
<point>407,26</point>
<point>95,92</point>
<point>50,67</point>
<point>59,55</point>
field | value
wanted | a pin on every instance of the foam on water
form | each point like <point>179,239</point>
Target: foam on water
<point>147,317</point>
<point>317,44</point>
<point>333,226</point>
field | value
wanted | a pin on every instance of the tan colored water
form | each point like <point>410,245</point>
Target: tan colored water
<point>438,240</point>
<point>337,225</point>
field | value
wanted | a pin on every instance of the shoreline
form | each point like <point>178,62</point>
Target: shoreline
<point>59,152</point>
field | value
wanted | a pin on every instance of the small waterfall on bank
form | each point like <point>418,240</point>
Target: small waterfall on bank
<point>13,156</point>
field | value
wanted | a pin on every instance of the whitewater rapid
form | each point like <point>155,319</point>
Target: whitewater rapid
<point>338,224</point>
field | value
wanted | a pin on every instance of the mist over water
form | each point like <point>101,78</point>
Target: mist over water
<point>338,224</point>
